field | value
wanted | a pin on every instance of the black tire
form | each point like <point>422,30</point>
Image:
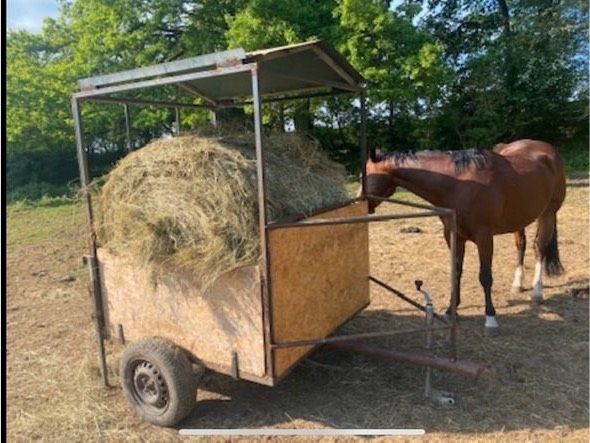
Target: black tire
<point>158,381</point>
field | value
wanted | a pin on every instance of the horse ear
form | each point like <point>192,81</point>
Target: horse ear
<point>375,154</point>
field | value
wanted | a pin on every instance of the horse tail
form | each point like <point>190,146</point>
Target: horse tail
<point>553,266</point>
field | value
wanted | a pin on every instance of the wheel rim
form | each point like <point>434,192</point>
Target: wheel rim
<point>149,388</point>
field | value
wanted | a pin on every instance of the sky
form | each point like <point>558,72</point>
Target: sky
<point>29,14</point>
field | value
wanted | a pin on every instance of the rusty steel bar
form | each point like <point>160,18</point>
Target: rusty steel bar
<point>301,216</point>
<point>223,58</point>
<point>363,143</point>
<point>271,98</point>
<point>327,83</point>
<point>98,317</point>
<point>164,81</point>
<point>462,367</point>
<point>262,220</point>
<point>332,64</point>
<point>351,337</point>
<point>441,211</point>
<point>405,298</point>
<point>349,220</point>
<point>198,93</point>
<point>141,102</point>
<point>95,286</point>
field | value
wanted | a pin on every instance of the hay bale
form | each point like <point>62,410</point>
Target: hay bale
<point>191,201</point>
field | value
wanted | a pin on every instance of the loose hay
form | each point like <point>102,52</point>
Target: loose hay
<point>191,201</point>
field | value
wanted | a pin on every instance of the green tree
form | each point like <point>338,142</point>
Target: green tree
<point>520,69</point>
<point>93,37</point>
<point>269,23</point>
<point>441,74</point>
<point>402,64</point>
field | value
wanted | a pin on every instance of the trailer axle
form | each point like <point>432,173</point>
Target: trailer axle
<point>462,367</point>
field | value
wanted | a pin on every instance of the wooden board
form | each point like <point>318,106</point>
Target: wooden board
<point>212,325</point>
<point>319,279</point>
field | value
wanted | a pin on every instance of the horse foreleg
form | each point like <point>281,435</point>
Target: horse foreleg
<point>545,227</point>
<point>520,240</point>
<point>485,248</point>
<point>459,267</point>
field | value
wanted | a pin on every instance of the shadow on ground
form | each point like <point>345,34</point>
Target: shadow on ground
<point>541,360</point>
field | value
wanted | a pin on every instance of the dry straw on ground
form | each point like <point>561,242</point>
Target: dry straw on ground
<point>191,201</point>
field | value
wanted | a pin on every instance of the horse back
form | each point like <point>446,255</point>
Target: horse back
<point>533,164</point>
<point>533,156</point>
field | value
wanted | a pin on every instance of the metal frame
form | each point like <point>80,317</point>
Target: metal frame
<point>91,259</point>
<point>253,67</point>
<point>432,211</point>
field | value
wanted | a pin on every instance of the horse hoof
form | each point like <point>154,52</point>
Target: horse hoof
<point>537,300</point>
<point>515,290</point>
<point>492,332</point>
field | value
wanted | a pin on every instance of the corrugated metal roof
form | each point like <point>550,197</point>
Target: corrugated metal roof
<point>223,77</point>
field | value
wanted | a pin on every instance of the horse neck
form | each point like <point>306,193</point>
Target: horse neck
<point>433,178</point>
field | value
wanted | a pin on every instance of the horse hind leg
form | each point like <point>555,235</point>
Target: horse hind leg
<point>546,253</point>
<point>520,240</point>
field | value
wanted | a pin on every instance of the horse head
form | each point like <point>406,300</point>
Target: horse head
<point>379,181</point>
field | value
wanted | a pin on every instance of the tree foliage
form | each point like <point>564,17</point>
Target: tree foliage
<point>519,69</point>
<point>445,75</point>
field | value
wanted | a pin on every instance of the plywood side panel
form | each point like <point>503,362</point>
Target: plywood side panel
<point>226,318</point>
<point>319,279</point>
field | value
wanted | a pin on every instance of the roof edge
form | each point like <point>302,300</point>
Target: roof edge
<point>324,49</point>
<point>222,58</point>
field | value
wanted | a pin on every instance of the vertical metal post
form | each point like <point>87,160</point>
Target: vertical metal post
<point>177,115</point>
<point>363,145</point>
<point>454,284</point>
<point>127,127</point>
<point>262,217</point>
<point>95,287</point>
<point>429,321</point>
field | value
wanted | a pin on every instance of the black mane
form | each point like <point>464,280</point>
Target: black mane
<point>400,157</point>
<point>462,159</point>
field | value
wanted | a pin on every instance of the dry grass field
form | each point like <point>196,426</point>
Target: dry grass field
<point>541,357</point>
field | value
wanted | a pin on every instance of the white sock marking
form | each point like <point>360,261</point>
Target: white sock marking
<point>538,280</point>
<point>491,322</point>
<point>518,277</point>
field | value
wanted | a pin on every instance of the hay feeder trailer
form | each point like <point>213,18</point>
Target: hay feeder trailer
<point>257,322</point>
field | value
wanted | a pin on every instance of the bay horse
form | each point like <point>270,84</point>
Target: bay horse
<point>493,192</point>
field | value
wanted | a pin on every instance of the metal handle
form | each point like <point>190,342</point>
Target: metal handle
<point>425,294</point>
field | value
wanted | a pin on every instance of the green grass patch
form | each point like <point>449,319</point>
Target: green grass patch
<point>43,221</point>
<point>34,191</point>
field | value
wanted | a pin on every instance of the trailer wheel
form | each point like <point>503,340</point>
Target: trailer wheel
<point>158,381</point>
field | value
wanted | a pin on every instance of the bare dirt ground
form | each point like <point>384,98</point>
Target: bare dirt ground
<point>540,394</point>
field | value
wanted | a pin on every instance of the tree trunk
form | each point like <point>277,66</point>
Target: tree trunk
<point>390,122</point>
<point>505,15</point>
<point>510,70</point>
<point>302,116</point>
